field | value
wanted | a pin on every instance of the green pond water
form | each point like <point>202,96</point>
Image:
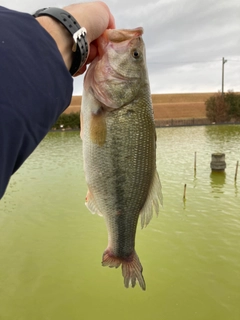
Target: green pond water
<point>51,245</point>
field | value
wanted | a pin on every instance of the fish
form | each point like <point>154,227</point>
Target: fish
<point>119,146</point>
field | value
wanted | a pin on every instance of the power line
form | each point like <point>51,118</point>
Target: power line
<point>188,61</point>
<point>233,60</point>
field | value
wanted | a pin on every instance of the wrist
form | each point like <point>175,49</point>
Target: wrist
<point>68,35</point>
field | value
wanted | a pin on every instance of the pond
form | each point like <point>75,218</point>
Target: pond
<point>51,245</point>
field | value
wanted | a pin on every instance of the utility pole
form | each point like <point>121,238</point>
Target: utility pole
<point>223,62</point>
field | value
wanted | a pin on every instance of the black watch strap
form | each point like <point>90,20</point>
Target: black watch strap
<point>80,47</point>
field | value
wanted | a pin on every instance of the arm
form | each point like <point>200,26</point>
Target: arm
<point>36,85</point>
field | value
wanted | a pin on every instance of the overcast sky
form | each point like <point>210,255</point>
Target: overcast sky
<point>185,40</point>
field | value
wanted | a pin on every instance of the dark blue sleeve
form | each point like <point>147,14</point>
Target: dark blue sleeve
<point>35,88</point>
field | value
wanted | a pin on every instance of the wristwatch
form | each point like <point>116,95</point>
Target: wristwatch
<point>80,46</point>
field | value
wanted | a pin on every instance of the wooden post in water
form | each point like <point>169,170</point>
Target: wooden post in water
<point>236,172</point>
<point>184,192</point>
<point>195,162</point>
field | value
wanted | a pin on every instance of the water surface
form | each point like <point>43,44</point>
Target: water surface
<point>51,246</point>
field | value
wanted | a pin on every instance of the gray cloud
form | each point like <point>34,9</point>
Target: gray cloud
<point>185,40</point>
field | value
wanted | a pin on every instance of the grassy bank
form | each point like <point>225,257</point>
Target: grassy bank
<point>68,121</point>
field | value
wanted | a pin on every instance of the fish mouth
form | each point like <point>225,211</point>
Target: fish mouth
<point>123,34</point>
<point>118,39</point>
<point>112,83</point>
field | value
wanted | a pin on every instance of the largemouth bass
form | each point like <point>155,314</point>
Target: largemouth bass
<point>119,146</point>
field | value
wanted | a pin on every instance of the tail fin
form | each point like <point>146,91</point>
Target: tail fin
<point>131,268</point>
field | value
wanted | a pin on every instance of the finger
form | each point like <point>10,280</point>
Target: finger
<point>111,24</point>
<point>80,71</point>
<point>92,55</point>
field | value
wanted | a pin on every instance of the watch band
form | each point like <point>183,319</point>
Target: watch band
<point>80,46</point>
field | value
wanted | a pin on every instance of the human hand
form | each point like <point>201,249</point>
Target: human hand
<point>96,18</point>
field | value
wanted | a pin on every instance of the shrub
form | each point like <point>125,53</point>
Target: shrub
<point>217,110</point>
<point>68,121</point>
<point>233,101</point>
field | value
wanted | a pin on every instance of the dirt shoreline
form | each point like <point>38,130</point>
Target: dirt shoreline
<point>177,109</point>
<point>167,106</point>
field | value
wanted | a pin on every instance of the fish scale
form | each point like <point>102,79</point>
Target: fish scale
<point>119,147</point>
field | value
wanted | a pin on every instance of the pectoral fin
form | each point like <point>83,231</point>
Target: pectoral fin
<point>98,128</point>
<point>153,201</point>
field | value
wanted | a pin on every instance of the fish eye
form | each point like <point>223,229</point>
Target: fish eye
<point>135,54</point>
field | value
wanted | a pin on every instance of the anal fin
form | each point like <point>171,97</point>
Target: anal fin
<point>91,205</point>
<point>153,201</point>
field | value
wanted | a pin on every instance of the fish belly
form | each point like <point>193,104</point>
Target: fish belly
<point>119,163</point>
